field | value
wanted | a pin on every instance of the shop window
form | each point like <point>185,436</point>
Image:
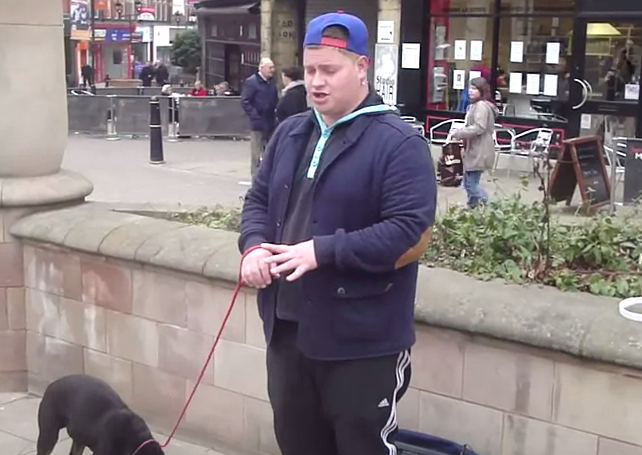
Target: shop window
<point>466,7</point>
<point>532,74</point>
<point>552,7</point>
<point>251,32</point>
<point>460,49</point>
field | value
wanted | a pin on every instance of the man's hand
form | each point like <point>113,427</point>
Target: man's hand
<point>255,271</point>
<point>299,258</point>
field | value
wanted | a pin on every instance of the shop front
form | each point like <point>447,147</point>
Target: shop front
<point>114,52</point>
<point>231,35</point>
<point>569,66</point>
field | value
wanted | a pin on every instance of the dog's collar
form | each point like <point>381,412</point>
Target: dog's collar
<point>143,444</point>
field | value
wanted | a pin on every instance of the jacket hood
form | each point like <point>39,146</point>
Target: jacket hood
<point>292,85</point>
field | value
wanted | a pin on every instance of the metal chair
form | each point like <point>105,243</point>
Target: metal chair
<point>455,124</point>
<point>536,149</point>
<point>620,155</point>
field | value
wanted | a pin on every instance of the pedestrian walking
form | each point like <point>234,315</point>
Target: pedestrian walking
<point>479,143</point>
<point>332,228</point>
<point>259,99</point>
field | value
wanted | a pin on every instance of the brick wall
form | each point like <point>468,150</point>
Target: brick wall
<point>147,330</point>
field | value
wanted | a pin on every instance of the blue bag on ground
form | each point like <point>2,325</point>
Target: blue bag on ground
<point>414,443</point>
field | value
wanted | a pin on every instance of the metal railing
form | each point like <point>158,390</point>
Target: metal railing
<point>126,114</point>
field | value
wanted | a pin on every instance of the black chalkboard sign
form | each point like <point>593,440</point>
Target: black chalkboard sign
<point>633,171</point>
<point>581,164</point>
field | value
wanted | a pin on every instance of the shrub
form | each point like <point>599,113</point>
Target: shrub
<point>512,240</point>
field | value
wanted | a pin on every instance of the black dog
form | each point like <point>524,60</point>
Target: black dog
<point>95,418</point>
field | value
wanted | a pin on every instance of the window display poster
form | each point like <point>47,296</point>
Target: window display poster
<point>515,82</point>
<point>474,74</point>
<point>460,49</point>
<point>585,121</point>
<point>385,32</point>
<point>385,72</point>
<point>459,79</point>
<point>552,53</point>
<point>476,50</point>
<point>550,84</point>
<point>411,56</point>
<point>632,91</point>
<point>532,84</point>
<point>517,51</point>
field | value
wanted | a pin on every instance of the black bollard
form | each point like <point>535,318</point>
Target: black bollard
<point>155,132</point>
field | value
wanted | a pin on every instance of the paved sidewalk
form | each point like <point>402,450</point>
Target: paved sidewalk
<point>196,173</point>
<point>19,430</point>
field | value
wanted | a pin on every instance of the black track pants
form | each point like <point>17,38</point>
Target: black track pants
<point>333,407</point>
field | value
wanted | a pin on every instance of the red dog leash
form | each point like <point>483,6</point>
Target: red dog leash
<point>237,290</point>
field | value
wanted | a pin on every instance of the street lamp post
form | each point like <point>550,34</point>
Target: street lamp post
<point>130,23</point>
<point>92,45</point>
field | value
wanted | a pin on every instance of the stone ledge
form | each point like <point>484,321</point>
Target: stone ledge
<point>575,323</point>
<point>65,186</point>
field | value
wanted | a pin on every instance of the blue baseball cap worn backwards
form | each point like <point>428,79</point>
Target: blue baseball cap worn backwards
<point>357,41</point>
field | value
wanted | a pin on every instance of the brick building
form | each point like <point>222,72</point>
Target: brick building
<point>232,49</point>
<point>123,33</point>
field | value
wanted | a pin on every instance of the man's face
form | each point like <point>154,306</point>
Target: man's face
<point>333,79</point>
<point>267,70</point>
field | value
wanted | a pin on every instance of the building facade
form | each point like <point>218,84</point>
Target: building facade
<point>572,66</point>
<point>230,33</point>
<point>237,33</point>
<point>123,35</point>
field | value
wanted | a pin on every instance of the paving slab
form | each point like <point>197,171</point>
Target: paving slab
<point>204,172</point>
<point>19,430</point>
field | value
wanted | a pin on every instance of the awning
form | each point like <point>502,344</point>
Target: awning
<point>245,8</point>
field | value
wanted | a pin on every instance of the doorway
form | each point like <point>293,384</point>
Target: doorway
<point>604,79</point>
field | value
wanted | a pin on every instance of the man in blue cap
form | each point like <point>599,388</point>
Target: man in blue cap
<point>333,226</point>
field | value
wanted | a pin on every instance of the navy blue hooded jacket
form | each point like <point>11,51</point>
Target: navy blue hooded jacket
<point>259,99</point>
<point>373,204</point>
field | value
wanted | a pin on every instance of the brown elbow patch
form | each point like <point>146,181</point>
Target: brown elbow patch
<point>415,252</point>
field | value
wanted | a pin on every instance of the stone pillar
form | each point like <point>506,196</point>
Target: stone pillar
<point>33,134</point>
<point>266,28</point>
<point>280,32</point>
<point>390,10</point>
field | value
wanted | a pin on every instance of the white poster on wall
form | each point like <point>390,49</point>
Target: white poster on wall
<point>386,32</point>
<point>460,49</point>
<point>476,50</point>
<point>473,75</point>
<point>552,53</point>
<point>550,84</point>
<point>515,82</point>
<point>411,56</point>
<point>631,91</point>
<point>459,79</point>
<point>517,51</point>
<point>385,72</point>
<point>532,84</point>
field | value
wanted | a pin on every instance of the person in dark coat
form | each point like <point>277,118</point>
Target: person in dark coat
<point>161,73</point>
<point>147,75</point>
<point>332,229</point>
<point>294,99</point>
<point>259,99</point>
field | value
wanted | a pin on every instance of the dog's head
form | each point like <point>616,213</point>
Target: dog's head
<point>128,434</point>
<point>149,447</point>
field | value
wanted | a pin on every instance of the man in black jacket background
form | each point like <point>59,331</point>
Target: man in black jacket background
<point>294,99</point>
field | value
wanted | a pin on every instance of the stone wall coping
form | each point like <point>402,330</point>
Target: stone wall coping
<point>580,324</point>
<point>64,186</point>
